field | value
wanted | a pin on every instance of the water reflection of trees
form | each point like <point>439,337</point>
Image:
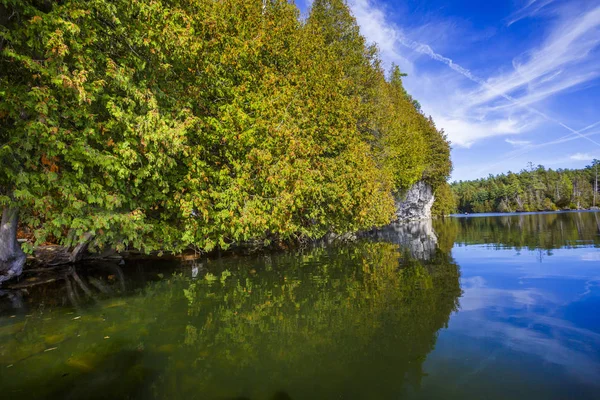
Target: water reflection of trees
<point>344,322</point>
<point>531,231</point>
<point>353,321</point>
<point>74,286</point>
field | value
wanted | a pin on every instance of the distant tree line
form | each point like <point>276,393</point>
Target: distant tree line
<point>532,189</point>
<point>161,124</point>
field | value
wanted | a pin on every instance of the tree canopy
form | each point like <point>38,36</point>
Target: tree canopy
<point>169,124</point>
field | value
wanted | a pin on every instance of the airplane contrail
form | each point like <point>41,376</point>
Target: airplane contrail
<point>427,50</point>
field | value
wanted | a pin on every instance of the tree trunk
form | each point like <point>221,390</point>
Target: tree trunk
<point>79,251</point>
<point>12,258</point>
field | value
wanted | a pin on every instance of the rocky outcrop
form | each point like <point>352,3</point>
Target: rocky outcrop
<point>416,203</point>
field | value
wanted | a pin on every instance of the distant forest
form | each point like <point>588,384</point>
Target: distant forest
<point>532,189</point>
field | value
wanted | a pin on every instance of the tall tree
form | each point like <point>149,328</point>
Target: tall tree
<point>159,125</point>
<point>83,137</point>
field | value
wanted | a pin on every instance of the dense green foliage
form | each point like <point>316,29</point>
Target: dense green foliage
<point>445,200</point>
<point>165,125</point>
<point>533,189</point>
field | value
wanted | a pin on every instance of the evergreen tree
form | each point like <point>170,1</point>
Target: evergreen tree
<point>160,125</point>
<point>533,189</point>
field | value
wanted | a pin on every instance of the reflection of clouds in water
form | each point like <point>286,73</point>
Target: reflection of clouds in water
<point>478,296</point>
<point>590,285</point>
<point>554,340</point>
<point>563,345</point>
<point>595,256</point>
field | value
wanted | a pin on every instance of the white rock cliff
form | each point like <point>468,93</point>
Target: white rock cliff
<point>416,203</point>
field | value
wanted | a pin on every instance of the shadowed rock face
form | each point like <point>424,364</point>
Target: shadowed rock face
<point>416,203</point>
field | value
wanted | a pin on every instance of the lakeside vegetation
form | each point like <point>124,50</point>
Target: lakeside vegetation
<point>160,125</point>
<point>532,189</point>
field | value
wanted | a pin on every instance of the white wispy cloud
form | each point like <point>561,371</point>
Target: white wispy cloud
<point>502,104</point>
<point>518,143</point>
<point>465,131</point>
<point>532,7</point>
<point>377,29</point>
<point>520,151</point>
<point>581,157</point>
<point>541,70</point>
<point>463,125</point>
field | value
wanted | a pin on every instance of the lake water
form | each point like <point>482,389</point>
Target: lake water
<point>484,307</point>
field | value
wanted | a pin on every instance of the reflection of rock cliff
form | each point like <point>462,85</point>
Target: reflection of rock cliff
<point>418,237</point>
<point>416,203</point>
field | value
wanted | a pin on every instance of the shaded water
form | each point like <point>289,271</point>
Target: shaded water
<point>480,307</point>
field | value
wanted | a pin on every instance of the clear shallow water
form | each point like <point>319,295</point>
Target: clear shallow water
<point>491,307</point>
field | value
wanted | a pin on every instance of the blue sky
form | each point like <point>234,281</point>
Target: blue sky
<point>510,81</point>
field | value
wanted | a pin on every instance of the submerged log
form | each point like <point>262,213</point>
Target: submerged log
<point>51,255</point>
<point>30,283</point>
<point>54,255</point>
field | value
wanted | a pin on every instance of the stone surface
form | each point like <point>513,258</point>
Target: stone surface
<point>416,203</point>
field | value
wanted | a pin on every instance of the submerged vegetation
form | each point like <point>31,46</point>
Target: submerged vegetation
<point>159,125</point>
<point>532,189</point>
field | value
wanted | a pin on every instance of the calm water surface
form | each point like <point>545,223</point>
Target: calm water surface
<point>485,307</point>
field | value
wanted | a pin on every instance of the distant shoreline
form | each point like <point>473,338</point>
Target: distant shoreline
<point>504,214</point>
